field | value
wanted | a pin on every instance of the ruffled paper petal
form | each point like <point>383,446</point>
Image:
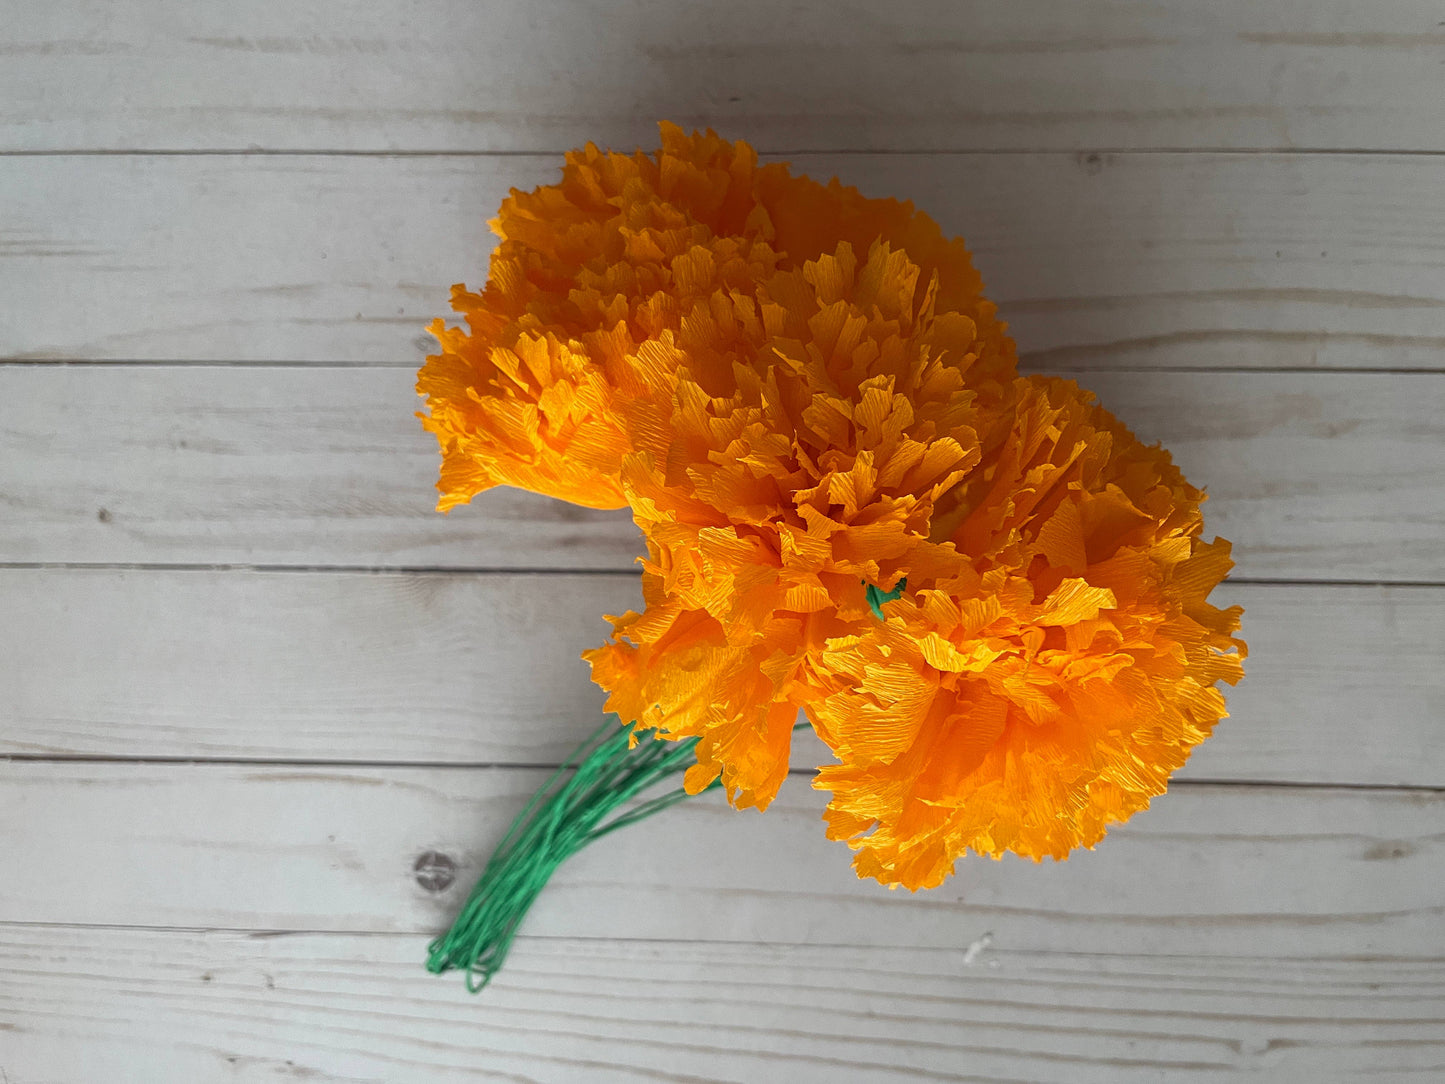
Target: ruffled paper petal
<point>989,598</point>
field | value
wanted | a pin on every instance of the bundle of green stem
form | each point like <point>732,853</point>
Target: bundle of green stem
<point>608,770</point>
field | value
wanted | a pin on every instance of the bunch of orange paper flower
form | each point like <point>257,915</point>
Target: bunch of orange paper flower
<point>988,598</point>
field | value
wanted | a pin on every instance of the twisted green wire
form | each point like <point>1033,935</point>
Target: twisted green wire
<point>877,596</point>
<point>559,821</point>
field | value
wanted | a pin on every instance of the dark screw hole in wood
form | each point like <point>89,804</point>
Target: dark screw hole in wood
<point>435,871</point>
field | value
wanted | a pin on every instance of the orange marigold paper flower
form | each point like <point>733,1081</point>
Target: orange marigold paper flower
<point>817,427</point>
<point>1050,683</point>
<point>988,598</point>
<point>616,254</point>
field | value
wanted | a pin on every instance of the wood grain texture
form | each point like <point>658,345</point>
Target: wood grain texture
<point>1208,870</point>
<point>175,1007</point>
<point>226,745</point>
<point>1342,684</point>
<point>258,465</point>
<point>802,74</point>
<point>1336,476</point>
<point>1097,261</point>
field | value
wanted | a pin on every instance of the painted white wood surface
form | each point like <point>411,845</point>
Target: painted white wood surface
<point>1252,870</point>
<point>192,890</point>
<point>797,74</point>
<point>333,1007</point>
<point>428,668</point>
<point>1097,260</point>
<point>1334,476</point>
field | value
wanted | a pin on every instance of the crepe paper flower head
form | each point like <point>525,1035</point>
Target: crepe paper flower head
<point>982,592</point>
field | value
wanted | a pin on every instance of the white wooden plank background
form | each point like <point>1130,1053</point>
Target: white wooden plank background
<point>796,74</point>
<point>1098,260</point>
<point>348,1006</point>
<point>1275,870</point>
<point>248,678</point>
<point>430,668</point>
<point>315,466</point>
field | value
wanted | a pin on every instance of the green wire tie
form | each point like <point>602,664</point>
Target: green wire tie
<point>877,596</point>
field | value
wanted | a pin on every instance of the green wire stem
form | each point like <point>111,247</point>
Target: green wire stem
<point>561,819</point>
